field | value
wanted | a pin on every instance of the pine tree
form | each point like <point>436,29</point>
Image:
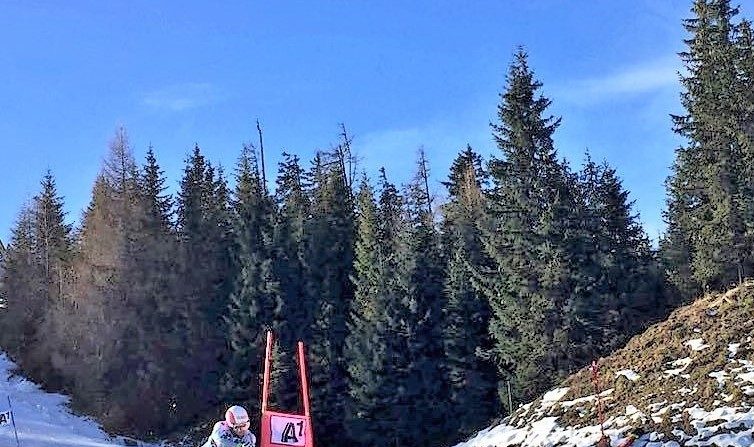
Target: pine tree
<point>292,208</point>
<point>152,387</point>
<point>255,303</point>
<point>22,285</point>
<point>380,409</point>
<point>367,349</point>
<point>329,246</point>
<point>471,378</point>
<point>422,274</point>
<point>624,291</point>
<point>526,236</point>
<point>708,182</point>
<point>53,247</point>
<point>205,245</point>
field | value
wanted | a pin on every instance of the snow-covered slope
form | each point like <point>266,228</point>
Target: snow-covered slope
<point>688,381</point>
<point>43,419</point>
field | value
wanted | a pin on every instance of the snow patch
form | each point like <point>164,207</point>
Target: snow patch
<point>680,364</point>
<point>696,344</point>
<point>685,390</point>
<point>628,374</point>
<point>747,377</point>
<point>580,400</point>
<point>720,376</point>
<point>552,396</point>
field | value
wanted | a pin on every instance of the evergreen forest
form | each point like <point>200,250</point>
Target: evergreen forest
<point>424,319</point>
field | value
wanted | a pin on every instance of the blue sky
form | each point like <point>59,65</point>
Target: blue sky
<point>398,74</point>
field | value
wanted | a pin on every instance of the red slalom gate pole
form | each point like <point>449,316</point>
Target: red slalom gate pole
<point>280,429</point>
<point>304,379</point>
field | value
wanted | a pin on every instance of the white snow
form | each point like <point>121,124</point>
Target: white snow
<point>553,396</point>
<point>733,348</point>
<point>628,374</point>
<point>696,344</point>
<point>720,376</point>
<point>43,419</point>
<point>681,365</point>
<point>580,400</point>
<point>630,410</point>
<point>747,377</point>
<point>685,390</point>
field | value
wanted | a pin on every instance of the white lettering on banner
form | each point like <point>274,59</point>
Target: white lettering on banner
<point>288,430</point>
<point>5,418</point>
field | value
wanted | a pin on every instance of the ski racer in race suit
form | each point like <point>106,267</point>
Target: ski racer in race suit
<point>233,431</point>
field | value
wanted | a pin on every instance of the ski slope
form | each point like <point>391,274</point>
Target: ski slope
<point>43,419</point>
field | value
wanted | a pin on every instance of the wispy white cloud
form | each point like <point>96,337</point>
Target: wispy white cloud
<point>180,97</point>
<point>641,78</point>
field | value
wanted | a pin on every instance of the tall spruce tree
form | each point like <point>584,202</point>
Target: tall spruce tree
<point>297,307</point>
<point>328,265</point>
<point>159,345</point>
<point>368,344</point>
<point>623,289</point>
<point>745,129</point>
<point>380,409</point>
<point>526,238</point>
<point>255,303</point>
<point>53,236</point>
<point>590,312</point>
<point>421,270</point>
<point>54,252</point>
<point>706,215</point>
<point>292,212</point>
<point>204,235</point>
<point>22,285</point>
<point>471,378</point>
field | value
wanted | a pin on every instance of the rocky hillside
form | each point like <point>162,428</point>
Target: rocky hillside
<point>686,381</point>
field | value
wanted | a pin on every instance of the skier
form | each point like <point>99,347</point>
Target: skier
<point>233,431</point>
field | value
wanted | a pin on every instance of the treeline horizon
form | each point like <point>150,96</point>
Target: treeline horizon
<point>418,317</point>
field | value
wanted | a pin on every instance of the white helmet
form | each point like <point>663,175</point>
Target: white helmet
<point>236,416</point>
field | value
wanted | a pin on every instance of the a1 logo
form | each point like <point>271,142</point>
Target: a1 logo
<point>288,430</point>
